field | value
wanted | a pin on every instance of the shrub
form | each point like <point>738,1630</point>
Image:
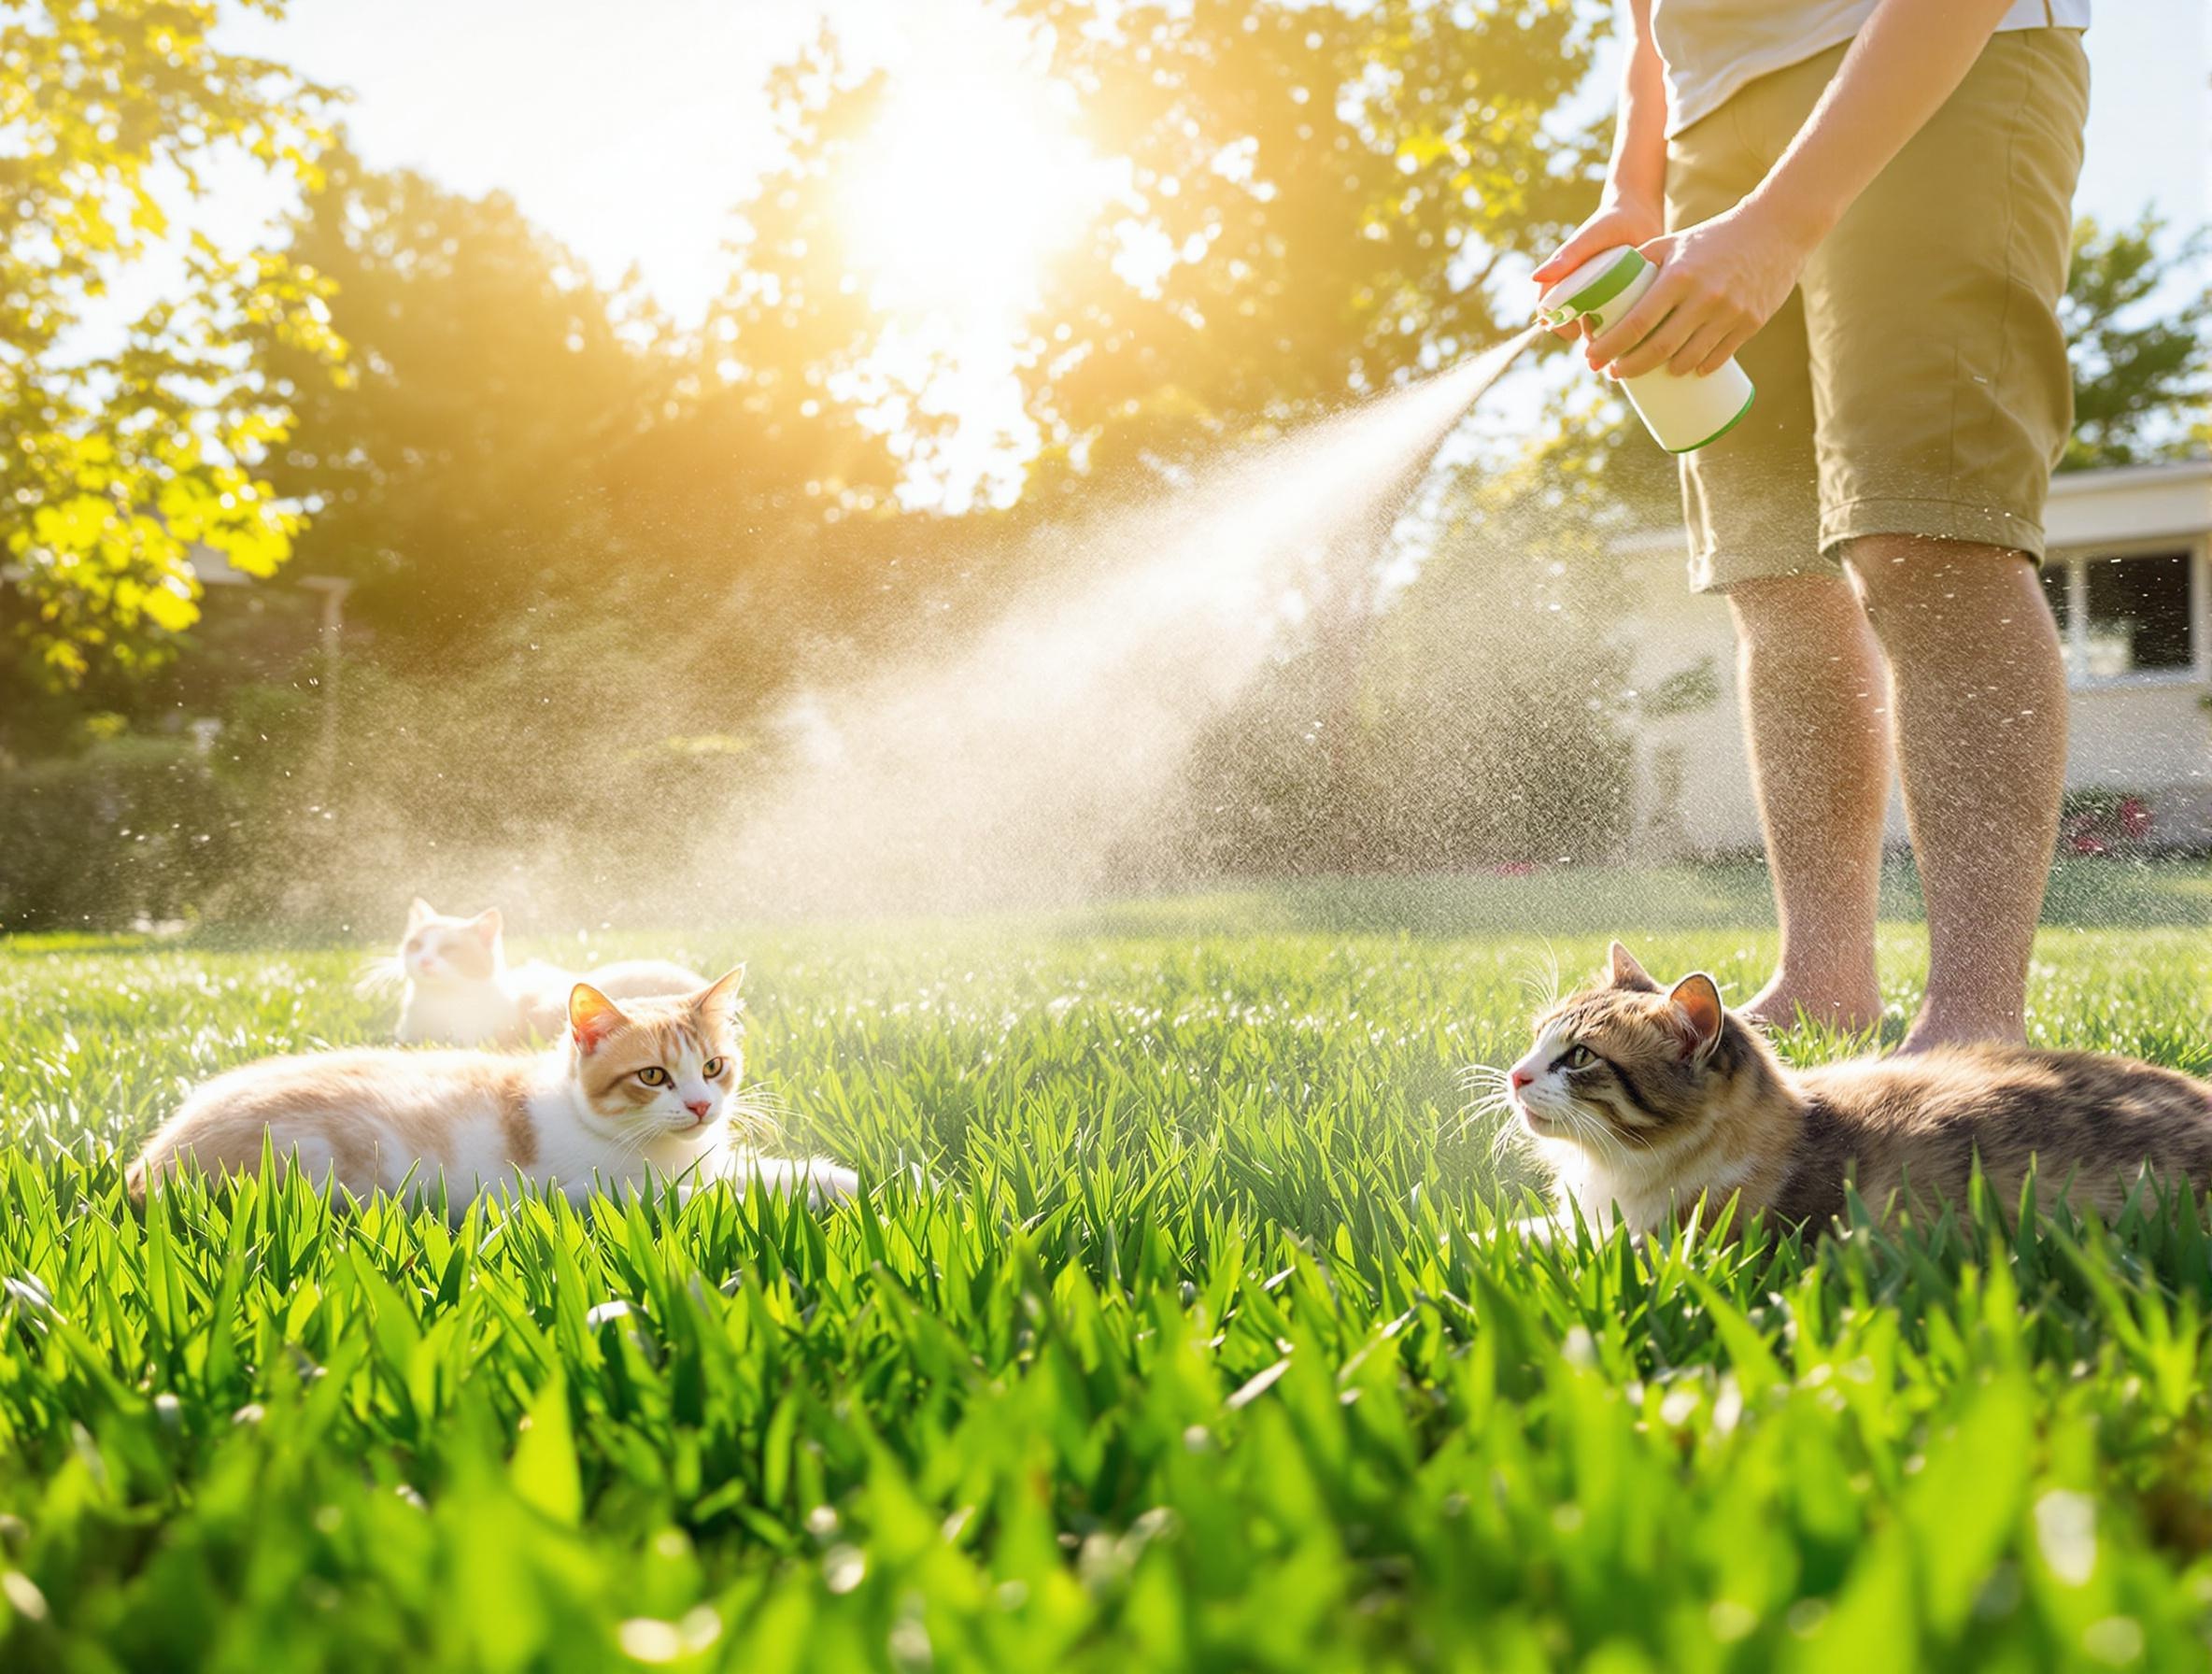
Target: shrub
<point>131,828</point>
<point>2106,822</point>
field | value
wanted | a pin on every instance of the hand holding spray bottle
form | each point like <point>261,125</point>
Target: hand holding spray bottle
<point>1684,413</point>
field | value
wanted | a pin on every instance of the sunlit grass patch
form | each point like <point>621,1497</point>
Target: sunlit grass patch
<point>1192,1340</point>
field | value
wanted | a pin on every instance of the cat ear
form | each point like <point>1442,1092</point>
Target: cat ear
<point>486,926</point>
<point>592,1016</point>
<point>419,910</point>
<point>1702,1014</point>
<point>1626,973</point>
<point>719,998</point>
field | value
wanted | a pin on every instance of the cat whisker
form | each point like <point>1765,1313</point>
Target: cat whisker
<point>760,1125</point>
<point>1623,1142</point>
<point>1542,982</point>
<point>379,975</point>
<point>1489,1102</point>
<point>759,1096</point>
<point>1509,1137</point>
<point>1593,1134</point>
<point>1604,1134</point>
<point>628,1148</point>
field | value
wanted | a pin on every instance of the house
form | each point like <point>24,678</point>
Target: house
<point>2129,576</point>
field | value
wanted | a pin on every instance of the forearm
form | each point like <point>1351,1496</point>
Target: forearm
<point>1907,60</point>
<point>1724,278</point>
<point>1637,176</point>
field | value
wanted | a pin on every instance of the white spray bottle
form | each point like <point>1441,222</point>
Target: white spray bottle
<point>1683,413</point>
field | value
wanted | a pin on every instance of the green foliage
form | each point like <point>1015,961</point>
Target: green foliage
<point>490,780</point>
<point>2106,820</point>
<point>1336,184</point>
<point>115,466</point>
<point>129,828</point>
<point>520,440</point>
<point>1345,179</point>
<point>1197,1346</point>
<point>2142,366</point>
<point>783,359</point>
<point>1689,691</point>
<point>520,456</point>
<point>459,473</point>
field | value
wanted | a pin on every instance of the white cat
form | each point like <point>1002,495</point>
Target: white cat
<point>625,1095</point>
<point>457,985</point>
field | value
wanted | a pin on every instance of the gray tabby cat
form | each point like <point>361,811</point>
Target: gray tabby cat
<point>1641,1099</point>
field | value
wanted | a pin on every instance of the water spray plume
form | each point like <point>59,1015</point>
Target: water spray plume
<point>1007,771</point>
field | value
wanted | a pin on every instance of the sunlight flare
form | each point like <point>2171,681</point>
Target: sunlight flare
<point>961,191</point>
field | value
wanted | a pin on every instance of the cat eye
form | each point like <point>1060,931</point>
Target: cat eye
<point>1578,1056</point>
<point>653,1075</point>
<point>712,1068</point>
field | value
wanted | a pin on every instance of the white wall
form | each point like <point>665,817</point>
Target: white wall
<point>2149,733</point>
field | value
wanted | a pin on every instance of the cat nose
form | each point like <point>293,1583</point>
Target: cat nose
<point>698,1107</point>
<point>1520,1077</point>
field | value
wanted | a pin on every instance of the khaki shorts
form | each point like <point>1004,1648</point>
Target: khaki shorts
<point>1916,381</point>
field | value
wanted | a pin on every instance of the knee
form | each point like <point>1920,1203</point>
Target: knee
<point>1916,587</point>
<point>1918,573</point>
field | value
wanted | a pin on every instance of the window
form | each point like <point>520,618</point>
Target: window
<point>2138,616</point>
<point>2057,587</point>
<point>2126,615</point>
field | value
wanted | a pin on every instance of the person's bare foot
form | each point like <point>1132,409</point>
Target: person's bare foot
<point>1787,1001</point>
<point>1945,1026</point>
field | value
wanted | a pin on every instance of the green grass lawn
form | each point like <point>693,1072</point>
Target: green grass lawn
<point>1197,1346</point>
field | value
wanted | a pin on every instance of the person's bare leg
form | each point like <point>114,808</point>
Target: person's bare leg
<point>1981,738</point>
<point>1816,716</point>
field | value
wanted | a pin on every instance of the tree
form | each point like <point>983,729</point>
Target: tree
<point>2140,368</point>
<point>114,464</point>
<point>793,333</point>
<point>521,442</point>
<point>1336,184</point>
<point>592,549</point>
<point>463,469</point>
<point>1318,196</point>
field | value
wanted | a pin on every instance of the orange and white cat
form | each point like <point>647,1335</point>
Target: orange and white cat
<point>626,1095</point>
<point>458,986</point>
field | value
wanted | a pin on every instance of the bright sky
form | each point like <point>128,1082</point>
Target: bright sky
<point>627,131</point>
